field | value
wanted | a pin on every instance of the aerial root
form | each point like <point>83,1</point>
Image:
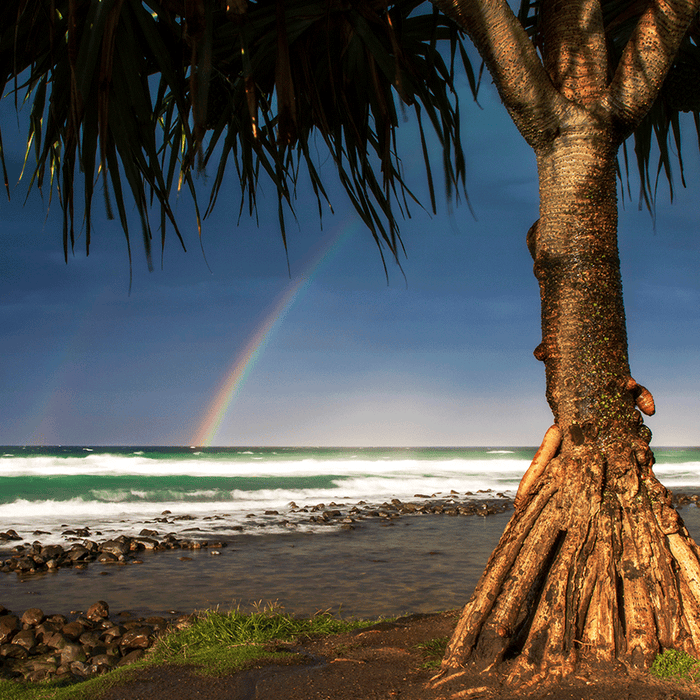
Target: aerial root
<point>442,678</point>
<point>642,397</point>
<point>478,609</point>
<point>524,679</point>
<point>481,692</point>
<point>543,456</point>
<point>588,571</point>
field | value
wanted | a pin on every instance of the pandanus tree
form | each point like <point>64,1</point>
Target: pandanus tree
<point>595,564</point>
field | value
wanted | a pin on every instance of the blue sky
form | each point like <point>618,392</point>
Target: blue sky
<point>440,357</point>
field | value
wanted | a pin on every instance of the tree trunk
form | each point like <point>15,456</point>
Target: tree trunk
<point>595,564</point>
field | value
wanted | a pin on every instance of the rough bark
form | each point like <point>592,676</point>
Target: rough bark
<point>646,59</point>
<point>595,565</point>
<point>520,78</point>
<point>574,49</point>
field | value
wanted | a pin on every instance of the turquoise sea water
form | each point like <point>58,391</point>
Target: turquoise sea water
<point>225,493</point>
<point>218,489</point>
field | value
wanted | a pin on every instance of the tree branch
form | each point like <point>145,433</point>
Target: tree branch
<point>522,82</point>
<point>574,49</point>
<point>646,59</point>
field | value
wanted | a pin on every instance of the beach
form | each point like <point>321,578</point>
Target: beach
<point>335,554</point>
<point>392,561</point>
<point>412,564</point>
<point>415,563</point>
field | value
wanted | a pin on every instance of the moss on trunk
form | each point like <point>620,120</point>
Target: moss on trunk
<point>595,565</point>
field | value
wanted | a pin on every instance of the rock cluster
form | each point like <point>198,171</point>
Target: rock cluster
<point>331,514</point>
<point>37,557</point>
<point>683,499</point>
<point>82,548</point>
<point>36,647</point>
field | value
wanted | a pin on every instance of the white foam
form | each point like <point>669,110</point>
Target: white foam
<point>137,465</point>
<point>678,475</point>
<point>119,505</point>
<point>359,477</point>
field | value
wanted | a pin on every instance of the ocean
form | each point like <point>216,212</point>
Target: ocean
<point>118,489</point>
<point>244,496</point>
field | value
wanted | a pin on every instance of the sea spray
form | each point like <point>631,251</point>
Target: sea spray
<point>117,489</point>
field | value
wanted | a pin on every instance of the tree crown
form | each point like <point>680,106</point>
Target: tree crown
<point>143,93</point>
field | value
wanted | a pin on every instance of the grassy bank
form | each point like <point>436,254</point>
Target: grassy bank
<point>214,642</point>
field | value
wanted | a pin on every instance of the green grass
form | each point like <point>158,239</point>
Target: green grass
<point>214,643</point>
<point>433,651</point>
<point>60,690</point>
<point>676,665</point>
<point>224,642</point>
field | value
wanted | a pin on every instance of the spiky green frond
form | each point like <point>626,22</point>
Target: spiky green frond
<point>142,93</point>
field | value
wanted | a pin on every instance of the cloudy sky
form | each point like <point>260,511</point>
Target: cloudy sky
<point>442,356</point>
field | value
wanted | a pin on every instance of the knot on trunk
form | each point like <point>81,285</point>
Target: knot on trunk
<point>643,455</point>
<point>644,433</point>
<point>540,352</point>
<point>531,239</point>
<point>642,396</point>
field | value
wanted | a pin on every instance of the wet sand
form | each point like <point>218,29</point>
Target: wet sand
<point>415,564</point>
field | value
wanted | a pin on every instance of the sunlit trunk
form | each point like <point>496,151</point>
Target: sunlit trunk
<point>595,564</point>
<point>574,245</point>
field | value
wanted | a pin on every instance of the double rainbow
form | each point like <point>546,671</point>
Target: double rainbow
<point>244,362</point>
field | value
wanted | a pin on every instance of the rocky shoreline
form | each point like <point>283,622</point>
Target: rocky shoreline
<point>75,646</point>
<point>37,647</point>
<point>82,546</point>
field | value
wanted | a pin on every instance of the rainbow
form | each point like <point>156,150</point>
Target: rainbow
<point>245,360</point>
<point>43,425</point>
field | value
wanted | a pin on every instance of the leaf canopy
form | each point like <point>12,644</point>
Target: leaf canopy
<point>145,93</point>
<point>141,94</point>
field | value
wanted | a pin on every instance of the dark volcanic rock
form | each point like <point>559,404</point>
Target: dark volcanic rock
<point>13,651</point>
<point>25,638</point>
<point>116,547</point>
<point>107,557</point>
<point>73,630</point>
<point>37,648</point>
<point>9,624</point>
<point>98,611</point>
<point>72,652</point>
<point>90,639</point>
<point>55,640</point>
<point>138,638</point>
<point>52,551</point>
<point>114,632</point>
<point>32,616</point>
<point>77,552</point>
<point>132,656</point>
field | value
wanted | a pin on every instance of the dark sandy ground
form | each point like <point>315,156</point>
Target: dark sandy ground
<point>384,662</point>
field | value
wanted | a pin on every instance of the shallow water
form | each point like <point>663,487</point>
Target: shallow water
<point>418,564</point>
